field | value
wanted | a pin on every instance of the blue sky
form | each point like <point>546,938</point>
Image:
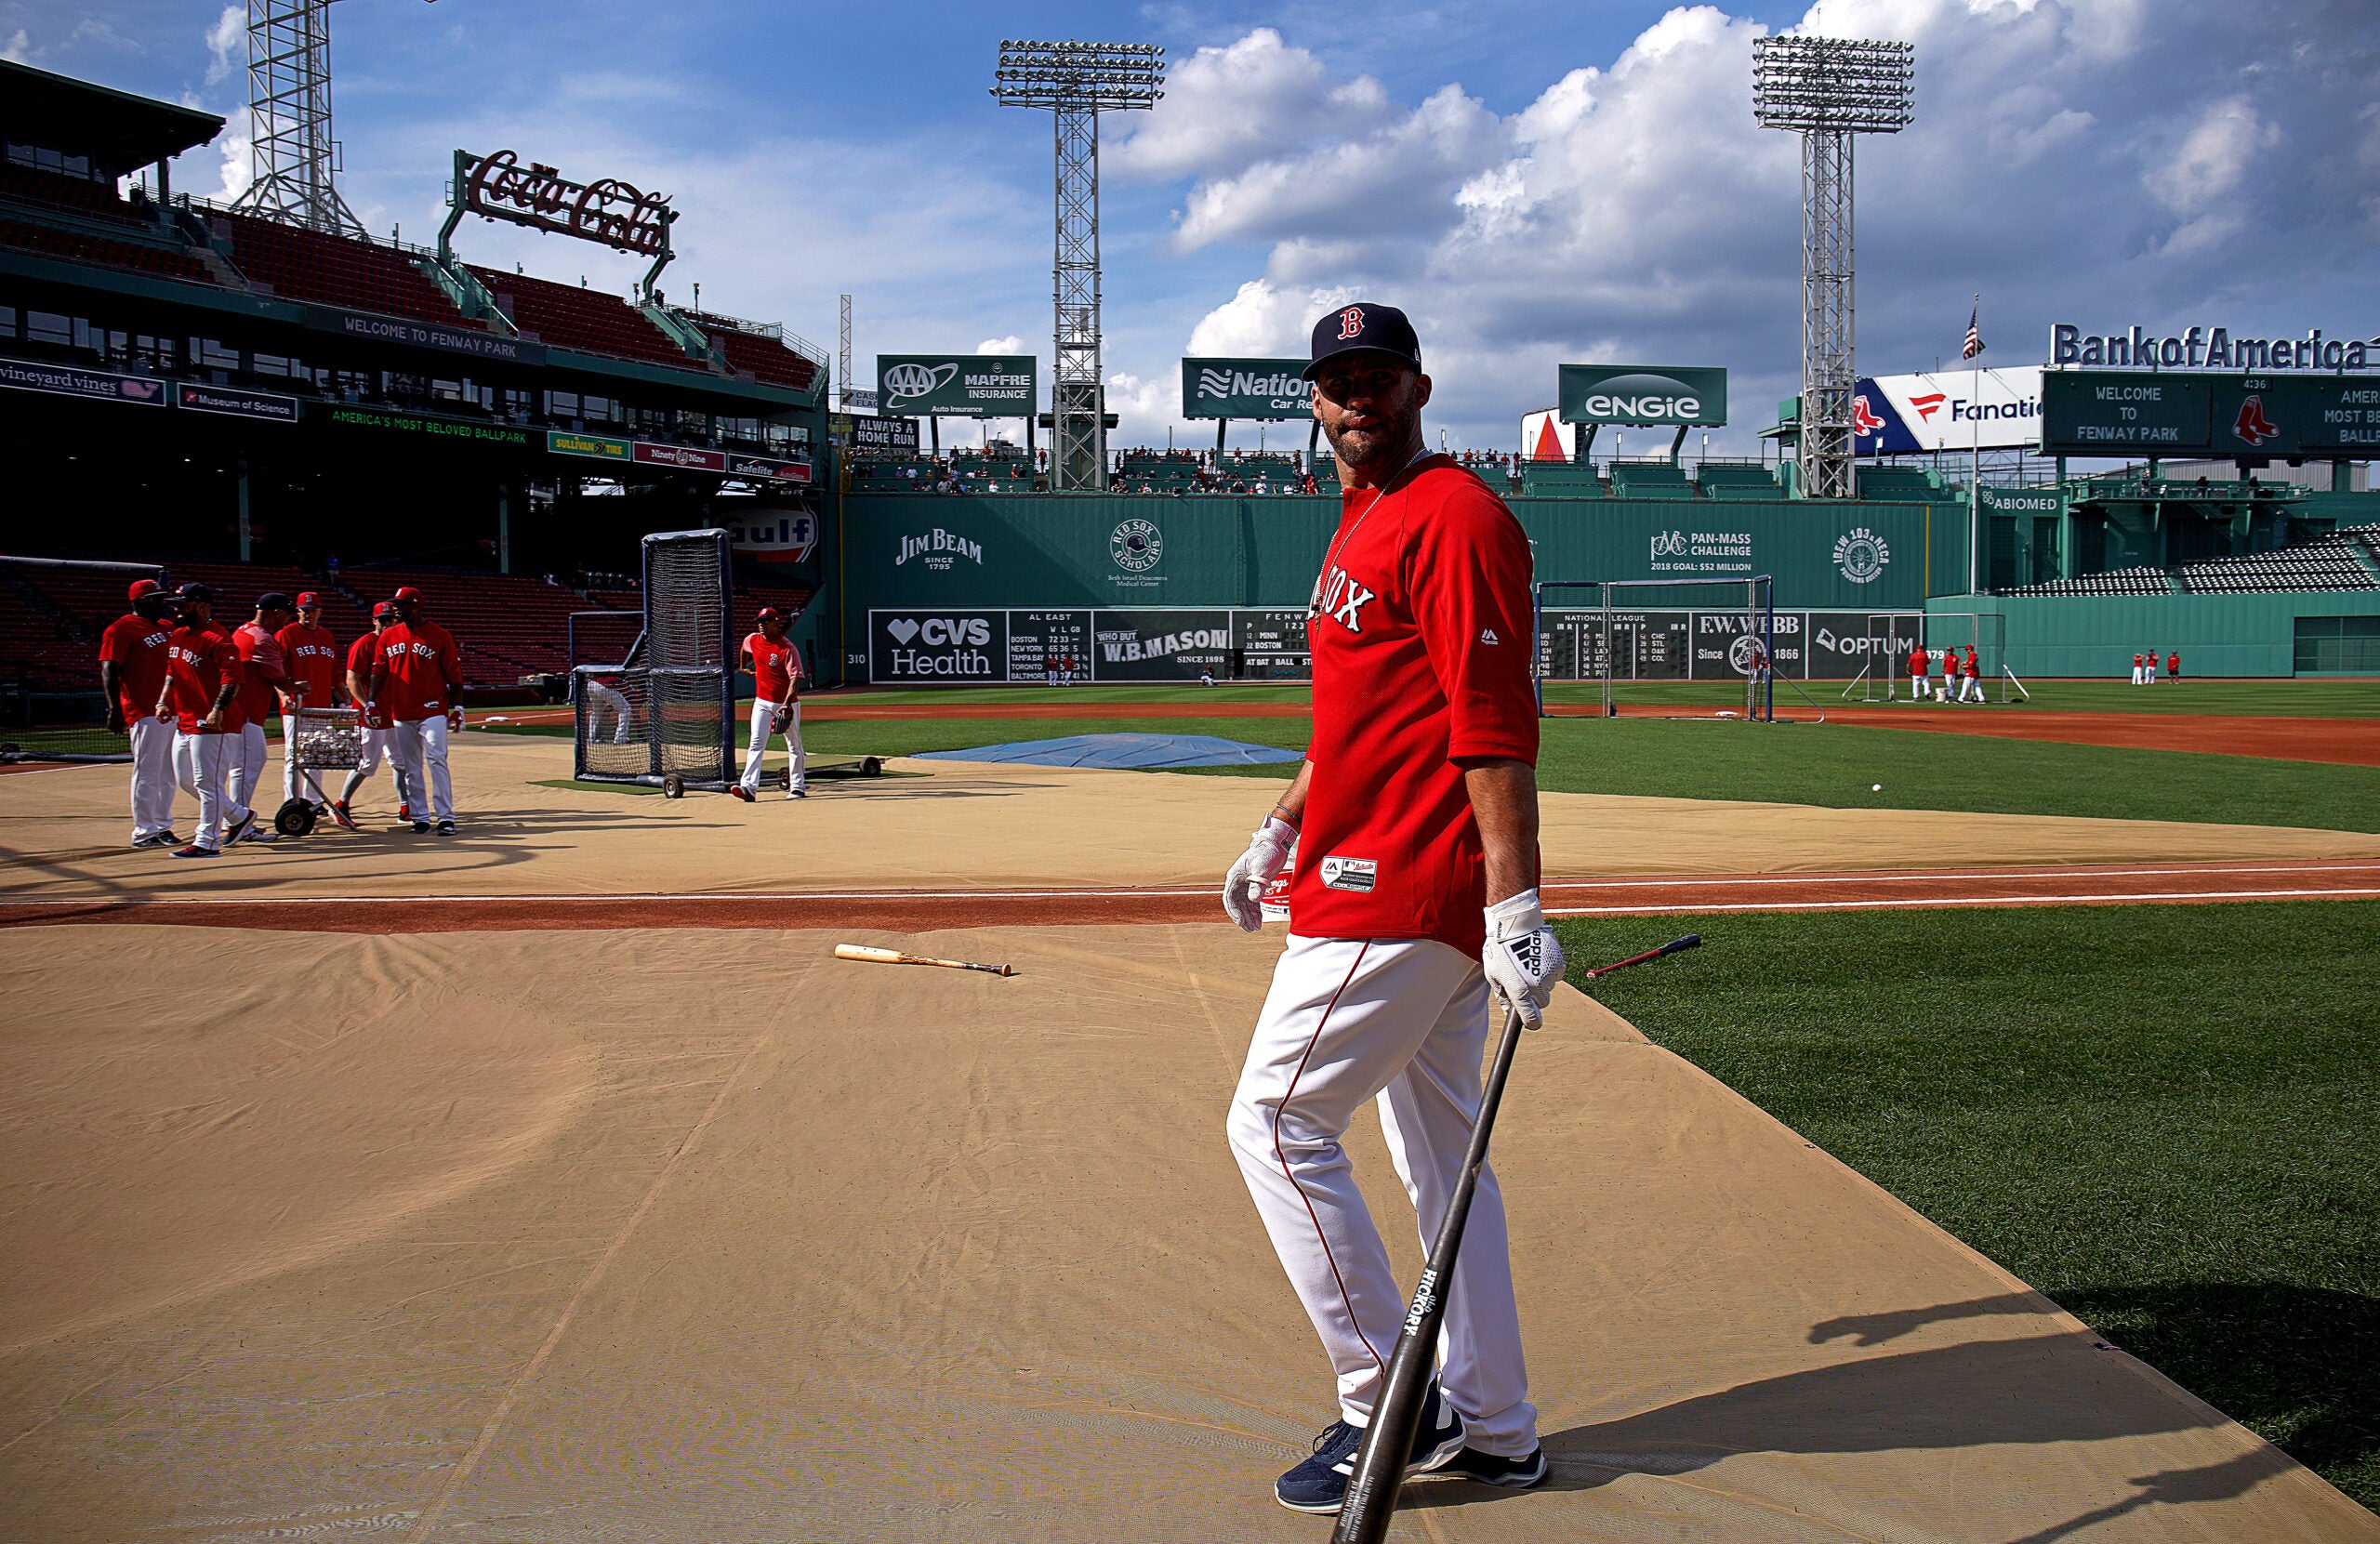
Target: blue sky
<point>1534,182</point>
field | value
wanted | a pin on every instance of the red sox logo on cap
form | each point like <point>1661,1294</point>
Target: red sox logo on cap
<point>1350,321</point>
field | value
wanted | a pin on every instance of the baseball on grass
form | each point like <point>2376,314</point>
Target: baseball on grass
<point>1875,787</point>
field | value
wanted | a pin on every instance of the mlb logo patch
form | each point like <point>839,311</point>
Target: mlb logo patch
<point>1352,873</point>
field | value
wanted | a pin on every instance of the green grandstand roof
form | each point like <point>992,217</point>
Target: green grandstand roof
<point>116,129</point>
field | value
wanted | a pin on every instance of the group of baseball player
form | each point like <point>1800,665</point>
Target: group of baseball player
<point>2144,667</point>
<point>1966,674</point>
<point>192,698</point>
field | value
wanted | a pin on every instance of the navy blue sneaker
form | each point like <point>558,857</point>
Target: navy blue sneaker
<point>1318,1484</point>
<point>195,851</point>
<point>238,828</point>
<point>1488,1470</point>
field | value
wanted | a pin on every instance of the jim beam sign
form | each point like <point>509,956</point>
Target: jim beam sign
<point>617,214</point>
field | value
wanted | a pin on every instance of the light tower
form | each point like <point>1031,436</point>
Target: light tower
<point>292,155</point>
<point>1829,89</point>
<point>1074,81</point>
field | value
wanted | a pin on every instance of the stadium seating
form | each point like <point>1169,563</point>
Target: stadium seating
<point>506,626</point>
<point>591,321</point>
<point>39,650</point>
<point>1561,480</point>
<point>78,195</point>
<point>2340,561</point>
<point>1738,483</point>
<point>764,359</point>
<point>103,252</point>
<point>1662,479</point>
<point>1913,484</point>
<point>2120,581</point>
<point>298,264</point>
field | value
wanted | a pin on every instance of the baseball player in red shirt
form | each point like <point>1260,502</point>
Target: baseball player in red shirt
<point>311,655</point>
<point>2173,666</point>
<point>416,672</point>
<point>203,676</point>
<point>1412,898</point>
<point>2138,679</point>
<point>133,659</point>
<point>1970,677</point>
<point>372,732</point>
<point>1917,674</point>
<point>263,679</point>
<point>776,671</point>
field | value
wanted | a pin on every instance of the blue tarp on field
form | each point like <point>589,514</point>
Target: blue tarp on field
<point>1128,751</point>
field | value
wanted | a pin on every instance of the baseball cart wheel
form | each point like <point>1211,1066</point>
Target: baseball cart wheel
<point>294,819</point>
<point>871,766</point>
<point>673,787</point>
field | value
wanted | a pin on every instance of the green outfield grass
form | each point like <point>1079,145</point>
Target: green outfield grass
<point>1834,766</point>
<point>2165,1118</point>
<point>2311,699</point>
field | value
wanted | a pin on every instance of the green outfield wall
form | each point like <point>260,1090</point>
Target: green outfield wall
<point>913,553</point>
<point>2296,632</point>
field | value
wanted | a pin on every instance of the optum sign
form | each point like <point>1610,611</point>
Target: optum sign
<point>1643,394</point>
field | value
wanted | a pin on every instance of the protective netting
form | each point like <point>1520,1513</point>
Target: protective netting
<point>604,637</point>
<point>636,724</point>
<point>685,599</point>
<point>1678,631</point>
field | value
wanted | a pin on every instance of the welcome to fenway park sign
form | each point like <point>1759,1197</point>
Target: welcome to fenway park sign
<point>617,214</point>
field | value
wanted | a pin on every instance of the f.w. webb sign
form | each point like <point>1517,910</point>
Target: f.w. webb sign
<point>1245,389</point>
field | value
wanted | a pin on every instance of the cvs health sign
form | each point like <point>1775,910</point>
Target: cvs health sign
<point>936,645</point>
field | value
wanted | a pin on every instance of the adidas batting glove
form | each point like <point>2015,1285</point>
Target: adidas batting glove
<point>1522,959</point>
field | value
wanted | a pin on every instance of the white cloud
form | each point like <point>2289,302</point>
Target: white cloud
<point>233,144</point>
<point>227,44</point>
<point>1226,108</point>
<point>1265,319</point>
<point>19,49</point>
<point>1011,343</point>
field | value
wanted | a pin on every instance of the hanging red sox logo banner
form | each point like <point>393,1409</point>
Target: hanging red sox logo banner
<point>617,214</point>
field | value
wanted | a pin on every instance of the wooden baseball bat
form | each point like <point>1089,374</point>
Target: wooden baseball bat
<point>894,956</point>
<point>1396,1412</point>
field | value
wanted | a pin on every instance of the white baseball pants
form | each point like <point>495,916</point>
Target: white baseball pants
<point>372,747</point>
<point>1405,1022</point>
<point>246,771</point>
<point>153,775</point>
<point>1916,688</point>
<point>1970,689</point>
<point>418,747</point>
<point>602,700</point>
<point>203,765</point>
<point>763,716</point>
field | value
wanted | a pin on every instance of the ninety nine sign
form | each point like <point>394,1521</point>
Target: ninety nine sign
<point>1643,394</point>
<point>609,210</point>
<point>1270,389</point>
<point>956,386</point>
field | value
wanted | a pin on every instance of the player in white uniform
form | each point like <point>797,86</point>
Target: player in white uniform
<point>776,671</point>
<point>603,698</point>
<point>1414,893</point>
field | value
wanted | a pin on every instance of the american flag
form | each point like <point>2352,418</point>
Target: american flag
<point>1974,345</point>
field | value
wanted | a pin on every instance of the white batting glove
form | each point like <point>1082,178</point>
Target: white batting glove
<point>1244,886</point>
<point>1522,959</point>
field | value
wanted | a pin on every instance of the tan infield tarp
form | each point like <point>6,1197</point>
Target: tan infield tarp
<point>704,1235</point>
<point>970,825</point>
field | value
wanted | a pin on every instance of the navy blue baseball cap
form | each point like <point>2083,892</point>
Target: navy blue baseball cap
<point>1364,325</point>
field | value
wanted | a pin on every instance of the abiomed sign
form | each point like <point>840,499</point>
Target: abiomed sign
<point>1643,394</point>
<point>956,386</point>
<point>1259,389</point>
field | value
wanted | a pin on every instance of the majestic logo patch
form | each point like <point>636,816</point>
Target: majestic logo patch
<point>1352,873</point>
<point>1487,635</point>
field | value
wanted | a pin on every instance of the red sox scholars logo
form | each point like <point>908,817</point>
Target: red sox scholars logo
<point>1350,321</point>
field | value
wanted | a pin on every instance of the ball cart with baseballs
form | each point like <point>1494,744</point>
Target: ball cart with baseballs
<point>325,739</point>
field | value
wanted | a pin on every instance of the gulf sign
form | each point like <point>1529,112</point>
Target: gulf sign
<point>774,533</point>
<point>1643,394</point>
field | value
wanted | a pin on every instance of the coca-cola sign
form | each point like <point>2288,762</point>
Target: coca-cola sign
<point>615,213</point>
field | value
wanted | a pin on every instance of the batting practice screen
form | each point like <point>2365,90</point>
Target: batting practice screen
<point>669,709</point>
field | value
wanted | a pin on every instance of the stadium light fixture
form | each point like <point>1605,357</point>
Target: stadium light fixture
<point>1829,90</point>
<point>1074,82</point>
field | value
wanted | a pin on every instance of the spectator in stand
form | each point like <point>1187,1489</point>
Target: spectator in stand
<point>416,671</point>
<point>200,697</point>
<point>134,653</point>
<point>1308,485</point>
<point>2174,668</point>
<point>264,681</point>
<point>313,662</point>
<point>371,726</point>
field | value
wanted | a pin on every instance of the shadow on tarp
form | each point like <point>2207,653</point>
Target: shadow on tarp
<point>1982,1394</point>
<point>1123,752</point>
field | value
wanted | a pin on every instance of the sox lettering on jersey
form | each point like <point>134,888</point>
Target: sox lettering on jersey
<point>1343,600</point>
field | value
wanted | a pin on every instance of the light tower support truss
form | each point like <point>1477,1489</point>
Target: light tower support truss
<point>293,158</point>
<point>1829,90</point>
<point>1074,82</point>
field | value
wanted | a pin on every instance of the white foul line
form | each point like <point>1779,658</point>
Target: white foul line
<point>1912,901</point>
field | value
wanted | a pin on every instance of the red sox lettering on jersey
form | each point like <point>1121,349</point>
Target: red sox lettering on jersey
<point>1343,600</point>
